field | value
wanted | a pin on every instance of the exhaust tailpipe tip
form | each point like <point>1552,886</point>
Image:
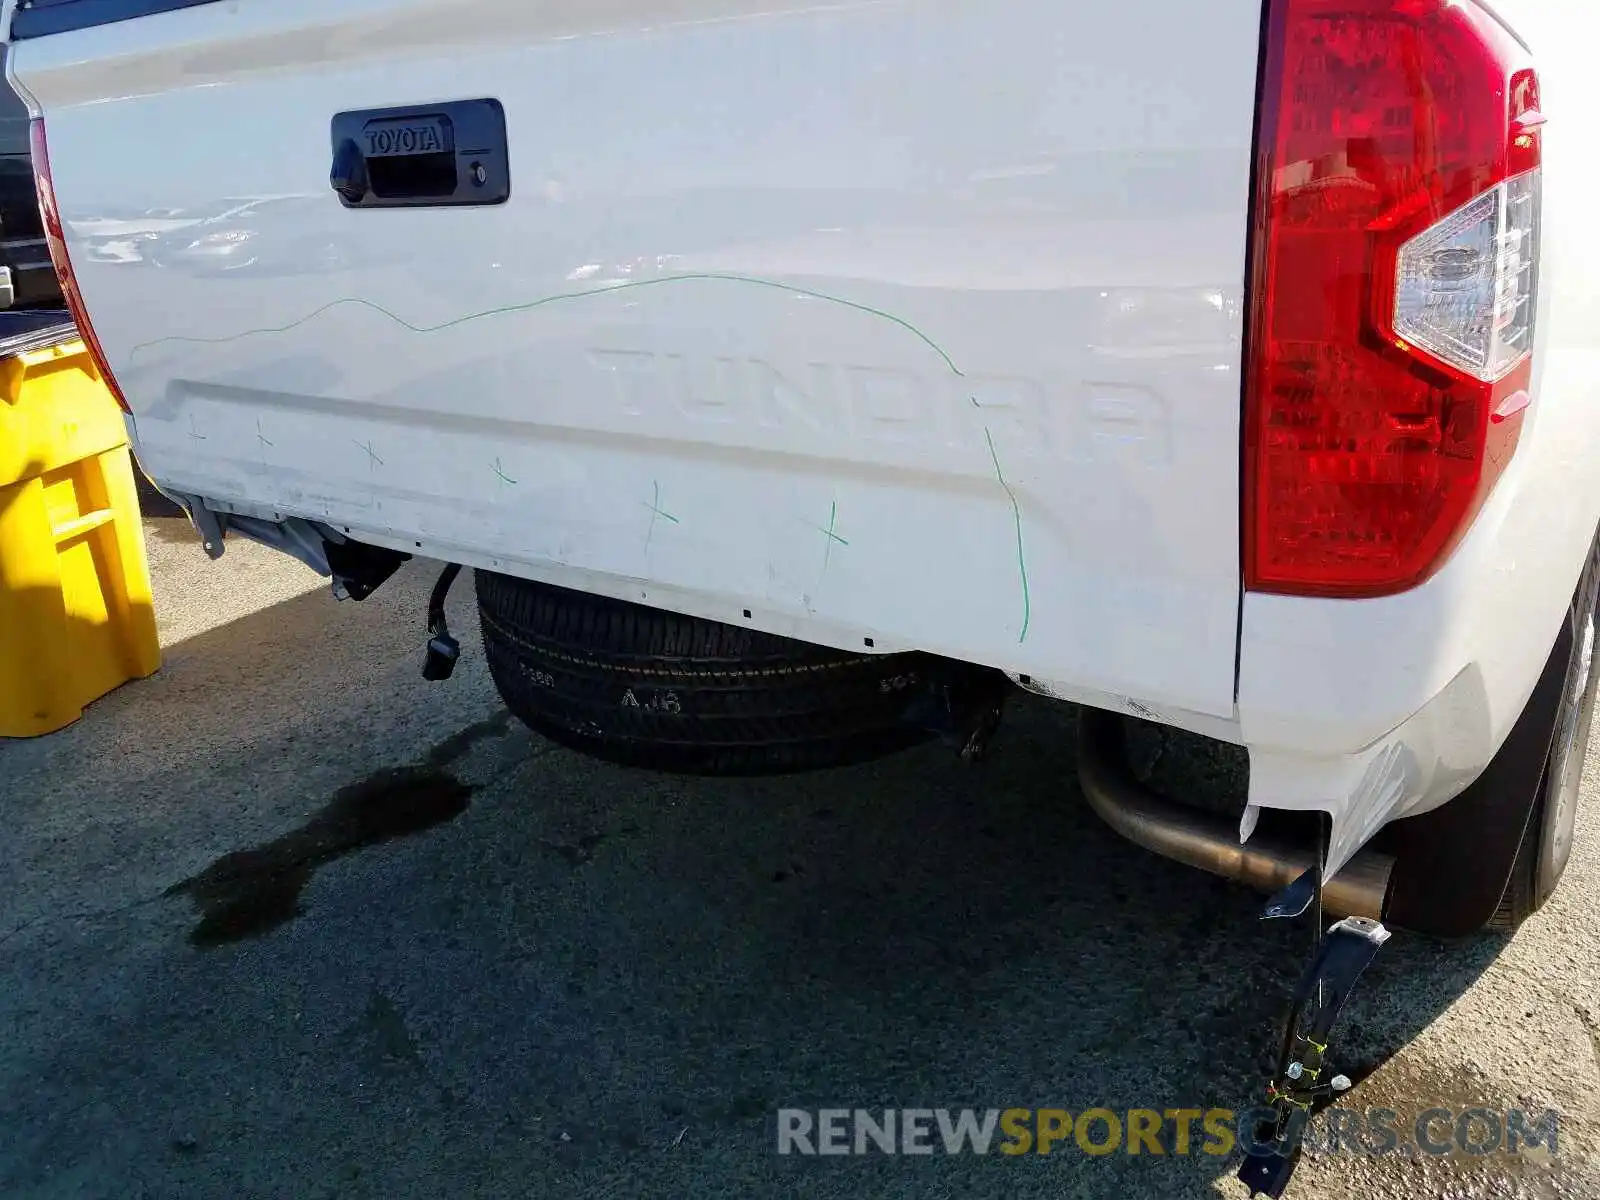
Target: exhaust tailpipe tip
<point>1206,840</point>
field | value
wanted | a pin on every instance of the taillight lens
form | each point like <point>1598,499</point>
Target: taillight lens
<point>55,238</point>
<point>1395,263</point>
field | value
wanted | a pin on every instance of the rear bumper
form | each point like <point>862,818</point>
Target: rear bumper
<point>1208,840</point>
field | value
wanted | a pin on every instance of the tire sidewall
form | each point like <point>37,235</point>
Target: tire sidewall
<point>1560,789</point>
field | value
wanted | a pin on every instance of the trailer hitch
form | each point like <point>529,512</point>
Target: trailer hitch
<point>1301,1081</point>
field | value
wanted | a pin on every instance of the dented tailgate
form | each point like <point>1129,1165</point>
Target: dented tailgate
<point>910,322</point>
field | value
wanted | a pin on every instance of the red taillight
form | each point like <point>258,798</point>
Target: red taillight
<point>55,238</point>
<point>1392,291</point>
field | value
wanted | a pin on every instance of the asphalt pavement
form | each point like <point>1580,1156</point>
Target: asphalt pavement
<point>285,920</point>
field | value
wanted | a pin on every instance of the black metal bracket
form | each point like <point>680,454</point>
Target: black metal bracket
<point>359,569</point>
<point>443,652</point>
<point>962,705</point>
<point>1303,1080</point>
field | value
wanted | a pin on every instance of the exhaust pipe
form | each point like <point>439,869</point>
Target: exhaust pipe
<point>1206,840</point>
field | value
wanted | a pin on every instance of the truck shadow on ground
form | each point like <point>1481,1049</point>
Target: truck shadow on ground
<point>494,965</point>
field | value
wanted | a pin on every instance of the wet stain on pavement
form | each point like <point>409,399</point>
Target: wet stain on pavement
<point>457,744</point>
<point>250,892</point>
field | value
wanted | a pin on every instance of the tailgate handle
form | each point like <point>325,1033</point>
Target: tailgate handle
<point>421,156</point>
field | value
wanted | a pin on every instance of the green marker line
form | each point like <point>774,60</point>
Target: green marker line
<point>529,306</point>
<point>833,520</point>
<point>633,285</point>
<point>1016,517</point>
<point>654,506</point>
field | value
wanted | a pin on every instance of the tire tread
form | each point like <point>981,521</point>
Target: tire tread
<point>650,688</point>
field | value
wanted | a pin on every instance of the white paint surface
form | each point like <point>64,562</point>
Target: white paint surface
<point>806,313</point>
<point>788,270</point>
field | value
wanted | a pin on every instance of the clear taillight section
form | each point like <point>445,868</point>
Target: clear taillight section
<point>1464,289</point>
<point>56,240</point>
<point>1394,268</point>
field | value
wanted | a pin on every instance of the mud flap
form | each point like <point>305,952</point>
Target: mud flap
<point>1452,864</point>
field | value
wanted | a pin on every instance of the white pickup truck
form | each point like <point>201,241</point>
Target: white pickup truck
<point>798,379</point>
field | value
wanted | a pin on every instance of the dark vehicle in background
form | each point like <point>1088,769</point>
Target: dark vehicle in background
<point>27,280</point>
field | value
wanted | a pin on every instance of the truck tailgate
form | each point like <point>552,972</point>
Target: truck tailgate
<point>912,321</point>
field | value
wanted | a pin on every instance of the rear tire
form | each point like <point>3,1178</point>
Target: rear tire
<point>1547,842</point>
<point>648,688</point>
<point>1490,858</point>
